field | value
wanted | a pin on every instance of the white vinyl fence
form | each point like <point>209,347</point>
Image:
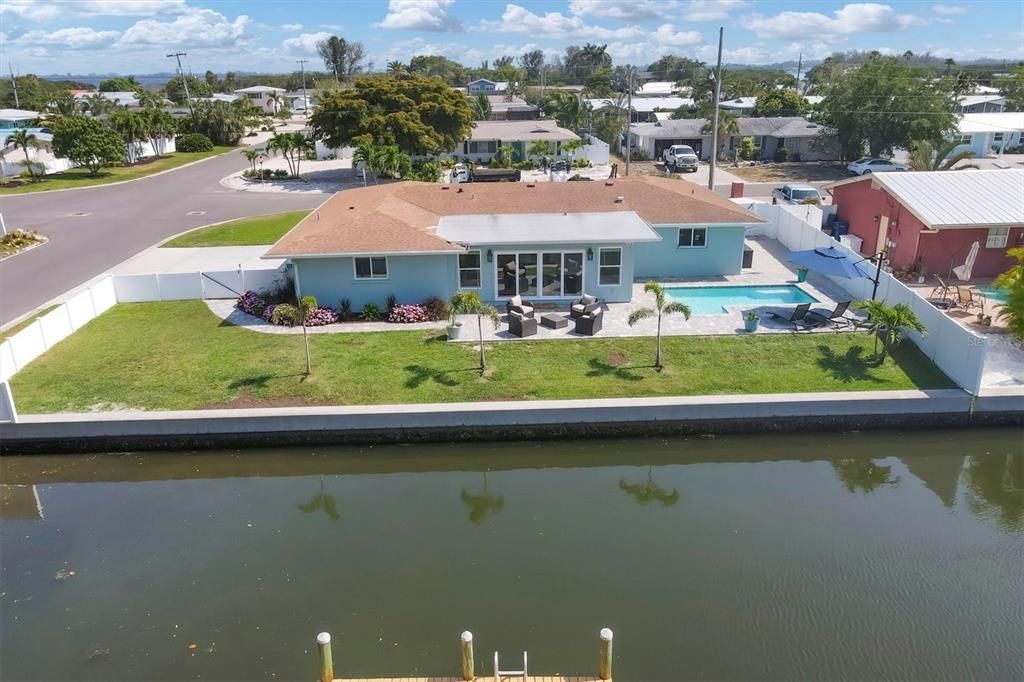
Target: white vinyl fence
<point>958,352</point>
<point>72,314</point>
<point>596,151</point>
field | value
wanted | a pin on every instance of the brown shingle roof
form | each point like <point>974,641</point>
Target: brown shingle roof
<point>402,217</point>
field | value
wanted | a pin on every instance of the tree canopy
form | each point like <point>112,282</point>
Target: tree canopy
<point>420,115</point>
<point>436,66</point>
<point>87,142</point>
<point>1012,87</point>
<point>779,103</point>
<point>886,103</point>
<point>175,88</point>
<point>120,84</point>
<point>342,58</point>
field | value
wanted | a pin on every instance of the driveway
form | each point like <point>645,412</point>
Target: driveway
<point>92,230</point>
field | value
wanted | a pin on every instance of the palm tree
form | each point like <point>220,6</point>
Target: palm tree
<point>567,109</point>
<point>483,504</point>
<point>889,324</point>
<point>149,99</point>
<point>928,157</point>
<point>645,493</point>
<point>397,69</point>
<point>863,473</point>
<point>950,63</point>
<point>538,148</point>
<point>65,105</point>
<point>161,127</point>
<point>252,156</point>
<point>662,307</point>
<point>97,104</point>
<point>571,147</point>
<point>321,500</point>
<point>366,154</point>
<point>481,108</point>
<point>134,130</point>
<point>24,140</point>
<point>1012,282</point>
<point>505,155</point>
<point>469,303</point>
<point>392,161</point>
<point>728,125</point>
<point>277,100</point>
<point>293,147</point>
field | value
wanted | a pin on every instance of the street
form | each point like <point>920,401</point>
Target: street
<point>92,230</point>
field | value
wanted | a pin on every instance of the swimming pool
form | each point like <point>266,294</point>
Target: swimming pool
<point>993,294</point>
<point>712,300</point>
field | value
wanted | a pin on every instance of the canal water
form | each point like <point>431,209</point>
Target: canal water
<point>824,556</point>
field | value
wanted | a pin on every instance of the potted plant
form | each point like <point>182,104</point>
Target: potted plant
<point>750,321</point>
<point>801,274</point>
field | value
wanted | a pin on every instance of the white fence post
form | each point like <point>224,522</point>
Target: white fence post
<point>7,411</point>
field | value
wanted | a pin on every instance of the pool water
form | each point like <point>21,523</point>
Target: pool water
<point>712,300</point>
<point>993,294</point>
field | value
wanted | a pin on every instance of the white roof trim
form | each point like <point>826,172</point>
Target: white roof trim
<point>547,228</point>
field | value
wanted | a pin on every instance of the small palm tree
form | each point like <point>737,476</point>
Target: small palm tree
<point>1012,282</point>
<point>481,108</point>
<point>391,161</point>
<point>889,324</point>
<point>397,69</point>
<point>24,140</point>
<point>469,303</point>
<point>571,147</point>
<point>926,156</point>
<point>252,156</point>
<point>277,100</point>
<point>728,126</point>
<point>366,154</point>
<point>539,148</point>
<point>662,307</point>
<point>505,155</point>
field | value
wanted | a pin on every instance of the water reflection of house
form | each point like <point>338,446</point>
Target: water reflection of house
<point>20,502</point>
<point>938,473</point>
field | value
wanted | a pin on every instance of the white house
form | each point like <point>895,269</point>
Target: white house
<point>741,106</point>
<point>488,136</point>
<point>217,97</point>
<point>12,159</point>
<point>801,137</point>
<point>16,118</point>
<point>658,89</point>
<point>486,86</point>
<point>644,108</point>
<point>124,99</point>
<point>989,133</point>
<point>270,100</point>
<point>979,104</point>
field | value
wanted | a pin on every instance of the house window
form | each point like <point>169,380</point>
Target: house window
<point>371,267</point>
<point>961,139</point>
<point>693,237</point>
<point>997,237</point>
<point>490,147</point>
<point>469,270</point>
<point>610,273</point>
<point>998,137</point>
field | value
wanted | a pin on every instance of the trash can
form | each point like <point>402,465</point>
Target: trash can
<point>736,190</point>
<point>840,228</point>
<point>748,257</point>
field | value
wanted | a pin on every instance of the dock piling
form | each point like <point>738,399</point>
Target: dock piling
<point>323,641</point>
<point>468,666</point>
<point>604,666</point>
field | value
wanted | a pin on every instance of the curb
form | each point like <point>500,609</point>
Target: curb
<point>46,240</point>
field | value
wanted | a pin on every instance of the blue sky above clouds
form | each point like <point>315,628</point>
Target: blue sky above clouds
<point>133,36</point>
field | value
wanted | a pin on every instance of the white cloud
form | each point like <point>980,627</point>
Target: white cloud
<point>330,27</point>
<point>291,27</point>
<point>420,15</point>
<point>73,38</point>
<point>517,19</point>
<point>849,19</point>
<point>198,27</point>
<point>948,9</point>
<point>624,10</point>
<point>305,44</point>
<point>42,10</point>
<point>710,10</point>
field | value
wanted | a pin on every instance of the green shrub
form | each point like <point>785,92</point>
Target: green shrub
<point>781,155</point>
<point>581,163</point>
<point>280,173</point>
<point>436,308</point>
<point>372,313</point>
<point>286,314</point>
<point>194,142</point>
<point>345,310</point>
<point>747,148</point>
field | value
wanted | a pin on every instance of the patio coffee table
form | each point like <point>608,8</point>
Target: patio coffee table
<point>554,321</point>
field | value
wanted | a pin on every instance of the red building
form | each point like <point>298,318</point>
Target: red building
<point>927,222</point>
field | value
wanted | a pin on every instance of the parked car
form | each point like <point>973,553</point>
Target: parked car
<point>680,157</point>
<point>866,166</point>
<point>797,194</point>
<point>460,173</point>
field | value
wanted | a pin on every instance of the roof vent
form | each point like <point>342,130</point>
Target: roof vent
<point>531,184</point>
<point>445,188</point>
<point>459,190</point>
<point>619,199</point>
<point>349,208</point>
<point>608,183</point>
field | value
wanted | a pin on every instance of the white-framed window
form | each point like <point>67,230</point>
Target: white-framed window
<point>692,237</point>
<point>998,137</point>
<point>370,267</point>
<point>997,237</point>
<point>961,139</point>
<point>488,147</point>
<point>610,266</point>
<point>469,270</point>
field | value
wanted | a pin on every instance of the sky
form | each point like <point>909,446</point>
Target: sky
<point>134,36</point>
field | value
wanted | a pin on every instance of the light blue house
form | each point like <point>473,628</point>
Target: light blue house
<point>989,133</point>
<point>549,242</point>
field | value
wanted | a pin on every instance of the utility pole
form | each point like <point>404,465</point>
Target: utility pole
<point>629,114</point>
<point>14,85</point>
<point>184,81</point>
<point>305,99</point>
<point>799,69</point>
<point>714,114</point>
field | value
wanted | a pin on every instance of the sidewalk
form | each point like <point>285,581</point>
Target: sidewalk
<point>199,259</point>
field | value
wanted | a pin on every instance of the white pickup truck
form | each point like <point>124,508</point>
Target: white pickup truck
<point>797,194</point>
<point>680,157</point>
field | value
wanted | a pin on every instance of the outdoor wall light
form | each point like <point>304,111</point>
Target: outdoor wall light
<point>490,256</point>
<point>590,253</point>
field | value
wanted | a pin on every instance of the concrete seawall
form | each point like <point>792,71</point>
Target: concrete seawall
<point>508,420</point>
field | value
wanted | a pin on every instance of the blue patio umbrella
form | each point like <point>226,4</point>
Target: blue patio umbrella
<point>833,262</point>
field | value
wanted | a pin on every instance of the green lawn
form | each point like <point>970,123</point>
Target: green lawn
<point>265,229</point>
<point>178,355</point>
<point>79,177</point>
<point>11,331</point>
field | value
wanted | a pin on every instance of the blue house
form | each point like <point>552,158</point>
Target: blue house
<point>989,133</point>
<point>545,241</point>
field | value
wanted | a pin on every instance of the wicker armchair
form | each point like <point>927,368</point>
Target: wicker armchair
<point>585,305</point>
<point>520,325</point>
<point>517,304</point>
<point>589,324</point>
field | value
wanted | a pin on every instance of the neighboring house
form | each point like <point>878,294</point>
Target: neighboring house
<point>991,133</point>
<point>488,136</point>
<point>741,106</point>
<point>16,118</point>
<point>12,159</point>
<point>929,220</point>
<point>517,109</point>
<point>486,86</point>
<point>644,108</point>
<point>544,241</point>
<point>979,104</point>
<point>658,89</point>
<point>217,97</point>
<point>264,96</point>
<point>123,99</point>
<point>805,140</point>
<point>299,102</point>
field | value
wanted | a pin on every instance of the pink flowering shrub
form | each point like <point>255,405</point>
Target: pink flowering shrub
<point>268,312</point>
<point>320,316</point>
<point>405,314</point>
<point>251,303</point>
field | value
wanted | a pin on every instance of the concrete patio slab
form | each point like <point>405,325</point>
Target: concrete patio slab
<point>199,259</point>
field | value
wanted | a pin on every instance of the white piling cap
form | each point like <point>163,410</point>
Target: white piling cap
<point>606,634</point>
<point>323,638</point>
<point>467,636</point>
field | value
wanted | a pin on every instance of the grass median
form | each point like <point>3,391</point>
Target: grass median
<point>265,229</point>
<point>80,177</point>
<point>178,355</point>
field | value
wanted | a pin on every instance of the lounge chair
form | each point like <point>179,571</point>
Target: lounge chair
<point>837,317</point>
<point>520,325</point>
<point>517,304</point>
<point>969,298</point>
<point>589,324</point>
<point>793,316</point>
<point>942,290</point>
<point>586,304</point>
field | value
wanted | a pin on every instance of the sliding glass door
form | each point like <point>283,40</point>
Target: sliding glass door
<point>544,274</point>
